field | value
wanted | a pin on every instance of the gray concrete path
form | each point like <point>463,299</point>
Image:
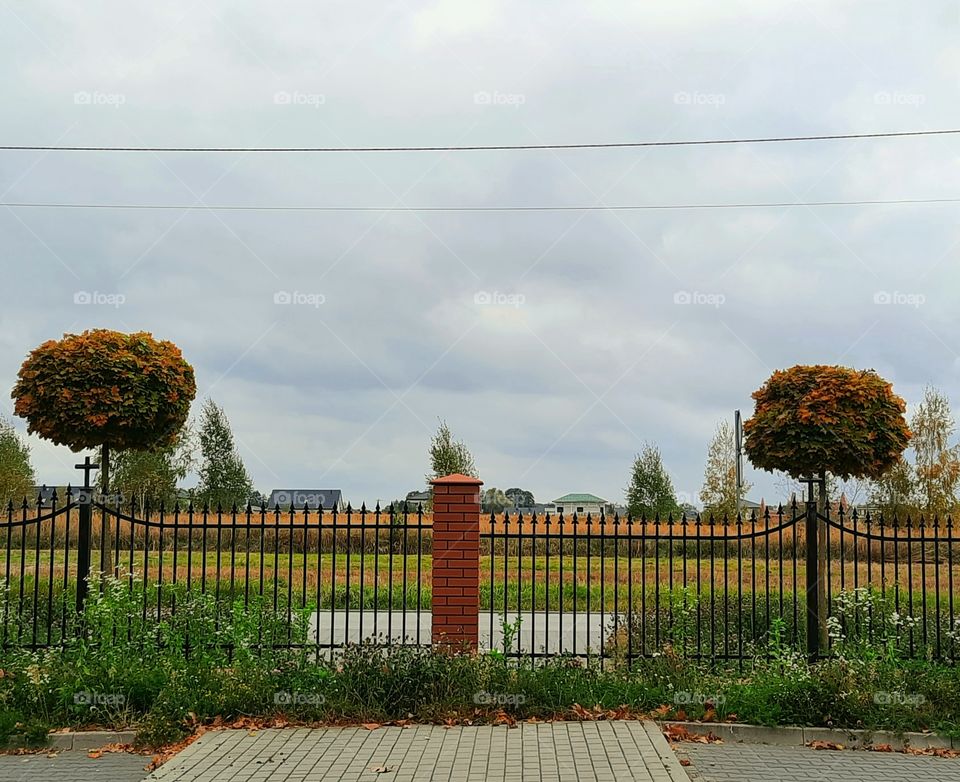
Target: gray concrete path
<point>72,767</point>
<point>766,763</point>
<point>554,633</point>
<point>544,752</point>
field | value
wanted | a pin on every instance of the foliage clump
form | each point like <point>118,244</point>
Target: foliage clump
<point>813,418</point>
<point>105,388</point>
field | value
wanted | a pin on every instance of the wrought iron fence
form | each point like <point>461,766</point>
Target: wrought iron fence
<point>625,588</point>
<point>344,575</point>
<point>588,586</point>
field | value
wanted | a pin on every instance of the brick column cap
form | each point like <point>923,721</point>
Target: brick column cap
<point>456,479</point>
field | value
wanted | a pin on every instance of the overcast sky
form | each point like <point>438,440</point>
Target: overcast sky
<point>554,343</point>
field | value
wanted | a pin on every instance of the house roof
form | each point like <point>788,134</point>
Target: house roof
<point>588,498</point>
<point>312,498</point>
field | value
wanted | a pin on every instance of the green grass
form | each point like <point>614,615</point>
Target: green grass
<point>151,679</point>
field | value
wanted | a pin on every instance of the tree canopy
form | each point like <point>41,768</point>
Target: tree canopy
<point>810,419</point>
<point>224,480</point>
<point>151,477</point>
<point>494,500</point>
<point>449,456</point>
<point>105,388</point>
<point>16,473</point>
<point>719,493</point>
<point>928,485</point>
<point>650,493</point>
<point>520,498</point>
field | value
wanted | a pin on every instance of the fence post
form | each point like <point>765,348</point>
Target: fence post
<point>813,576</point>
<point>456,562</point>
<point>83,541</point>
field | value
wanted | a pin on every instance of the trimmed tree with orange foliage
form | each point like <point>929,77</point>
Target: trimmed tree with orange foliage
<point>105,389</point>
<point>809,419</point>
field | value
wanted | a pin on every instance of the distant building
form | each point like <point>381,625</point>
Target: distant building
<point>313,499</point>
<point>581,504</point>
<point>44,495</point>
<point>418,498</point>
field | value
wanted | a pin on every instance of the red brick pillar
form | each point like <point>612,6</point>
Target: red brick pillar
<point>456,561</point>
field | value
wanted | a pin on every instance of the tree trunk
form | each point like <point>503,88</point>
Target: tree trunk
<point>106,539</point>
<point>823,554</point>
<point>104,468</point>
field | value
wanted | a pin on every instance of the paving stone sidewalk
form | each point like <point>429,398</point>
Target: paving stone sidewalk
<point>73,767</point>
<point>541,752</point>
<point>766,763</point>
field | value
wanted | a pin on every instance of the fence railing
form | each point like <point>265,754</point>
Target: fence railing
<point>615,587</point>
<point>720,589</point>
<point>351,574</point>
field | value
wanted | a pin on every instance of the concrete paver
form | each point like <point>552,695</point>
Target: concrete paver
<point>540,752</point>
<point>769,763</point>
<point>72,767</point>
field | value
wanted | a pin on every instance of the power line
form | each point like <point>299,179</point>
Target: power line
<point>589,208</point>
<point>488,147</point>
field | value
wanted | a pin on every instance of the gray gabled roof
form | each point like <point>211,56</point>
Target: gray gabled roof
<point>584,498</point>
<point>314,499</point>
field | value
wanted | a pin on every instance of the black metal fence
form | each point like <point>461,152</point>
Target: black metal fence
<point>610,587</point>
<point>314,579</point>
<point>736,589</point>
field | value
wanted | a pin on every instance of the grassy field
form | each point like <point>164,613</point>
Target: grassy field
<point>528,581</point>
<point>287,523</point>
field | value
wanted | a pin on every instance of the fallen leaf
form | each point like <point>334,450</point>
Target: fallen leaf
<point>370,725</point>
<point>680,733</point>
<point>684,762</point>
<point>825,745</point>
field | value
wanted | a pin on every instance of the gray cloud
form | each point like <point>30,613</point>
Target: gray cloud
<point>312,388</point>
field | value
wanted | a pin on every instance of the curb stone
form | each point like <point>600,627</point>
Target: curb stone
<point>82,740</point>
<point>671,763</point>
<point>798,736</point>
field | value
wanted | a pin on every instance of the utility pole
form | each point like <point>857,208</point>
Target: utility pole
<point>738,440</point>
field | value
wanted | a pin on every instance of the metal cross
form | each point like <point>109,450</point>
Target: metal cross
<point>87,468</point>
